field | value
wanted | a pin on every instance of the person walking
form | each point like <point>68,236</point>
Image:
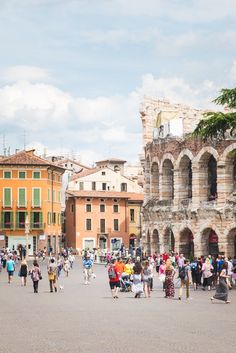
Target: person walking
<point>222,288</point>
<point>52,275</point>
<point>186,278</point>
<point>169,279</point>
<point>207,269</point>
<point>66,266</point>
<point>23,272</point>
<point>147,279</point>
<point>87,269</point>
<point>10,268</point>
<point>35,275</point>
<point>114,280</point>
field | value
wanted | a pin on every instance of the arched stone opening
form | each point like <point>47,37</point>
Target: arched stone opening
<point>169,241</point>
<point>155,180</point>
<point>231,243</point>
<point>209,241</point>
<point>167,180</point>
<point>155,246</point>
<point>186,243</point>
<point>230,173</point>
<point>185,178</point>
<point>208,177</point>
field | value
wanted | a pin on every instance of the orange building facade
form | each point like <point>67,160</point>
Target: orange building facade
<point>97,219</point>
<point>30,188</point>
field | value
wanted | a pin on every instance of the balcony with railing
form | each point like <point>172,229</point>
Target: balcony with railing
<point>103,231</point>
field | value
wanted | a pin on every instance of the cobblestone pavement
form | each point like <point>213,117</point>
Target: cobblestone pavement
<point>86,319</point>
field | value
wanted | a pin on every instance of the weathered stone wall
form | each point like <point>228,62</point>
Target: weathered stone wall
<point>194,215</point>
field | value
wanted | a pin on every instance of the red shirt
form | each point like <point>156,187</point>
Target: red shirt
<point>115,279</point>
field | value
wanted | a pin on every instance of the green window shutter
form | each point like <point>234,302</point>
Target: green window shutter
<point>2,219</point>
<point>49,217</point>
<point>40,219</point>
<point>12,219</point>
<point>7,197</point>
<point>31,220</point>
<point>17,219</point>
<point>36,197</point>
<point>21,200</point>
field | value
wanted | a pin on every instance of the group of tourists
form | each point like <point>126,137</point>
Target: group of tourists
<point>173,270</point>
<point>9,261</point>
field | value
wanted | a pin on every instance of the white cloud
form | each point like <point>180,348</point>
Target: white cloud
<point>106,125</point>
<point>25,73</point>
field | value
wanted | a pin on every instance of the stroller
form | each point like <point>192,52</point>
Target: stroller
<point>125,284</point>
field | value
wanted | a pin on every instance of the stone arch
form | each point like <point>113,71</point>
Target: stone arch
<point>231,243</point>
<point>208,149</point>
<point>166,156</point>
<point>207,173</point>
<point>183,153</point>
<point>168,240</point>
<point>227,150</point>
<point>167,180</point>
<point>155,242</point>
<point>155,179</point>
<point>228,161</point>
<point>209,242</point>
<point>185,178</point>
<point>186,243</point>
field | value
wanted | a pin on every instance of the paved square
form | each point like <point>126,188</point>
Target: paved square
<point>86,319</point>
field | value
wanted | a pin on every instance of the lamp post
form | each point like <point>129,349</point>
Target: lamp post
<point>27,229</point>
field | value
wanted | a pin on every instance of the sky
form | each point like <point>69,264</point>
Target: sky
<point>74,72</point>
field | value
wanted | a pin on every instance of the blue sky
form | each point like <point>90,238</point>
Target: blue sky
<point>73,72</point>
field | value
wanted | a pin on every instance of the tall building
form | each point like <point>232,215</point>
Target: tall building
<point>190,188</point>
<point>103,208</point>
<point>30,186</point>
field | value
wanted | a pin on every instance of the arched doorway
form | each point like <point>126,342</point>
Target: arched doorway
<point>231,243</point>
<point>169,241</point>
<point>155,180</point>
<point>132,239</point>
<point>210,242</point>
<point>186,243</point>
<point>155,246</point>
<point>208,177</point>
<point>102,242</point>
<point>167,180</point>
<point>185,179</point>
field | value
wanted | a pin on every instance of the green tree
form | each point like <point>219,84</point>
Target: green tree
<point>215,124</point>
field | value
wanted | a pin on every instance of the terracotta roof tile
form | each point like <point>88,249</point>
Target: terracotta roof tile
<point>106,194</point>
<point>26,158</point>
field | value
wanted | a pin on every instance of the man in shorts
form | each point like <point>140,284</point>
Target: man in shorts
<point>10,269</point>
<point>114,280</point>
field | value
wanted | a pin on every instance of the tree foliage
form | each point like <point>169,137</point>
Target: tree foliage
<point>216,124</point>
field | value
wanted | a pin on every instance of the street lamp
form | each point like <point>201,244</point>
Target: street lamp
<point>27,229</point>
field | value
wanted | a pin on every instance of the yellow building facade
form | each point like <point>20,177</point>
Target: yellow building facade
<point>30,189</point>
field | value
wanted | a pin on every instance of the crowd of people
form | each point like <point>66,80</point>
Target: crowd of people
<point>217,273</point>
<point>132,273</point>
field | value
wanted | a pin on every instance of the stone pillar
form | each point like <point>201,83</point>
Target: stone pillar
<point>195,187</point>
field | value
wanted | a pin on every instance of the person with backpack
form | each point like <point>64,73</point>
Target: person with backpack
<point>10,268</point>
<point>35,275</point>
<point>52,275</point>
<point>114,280</point>
<point>87,268</point>
<point>185,278</point>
